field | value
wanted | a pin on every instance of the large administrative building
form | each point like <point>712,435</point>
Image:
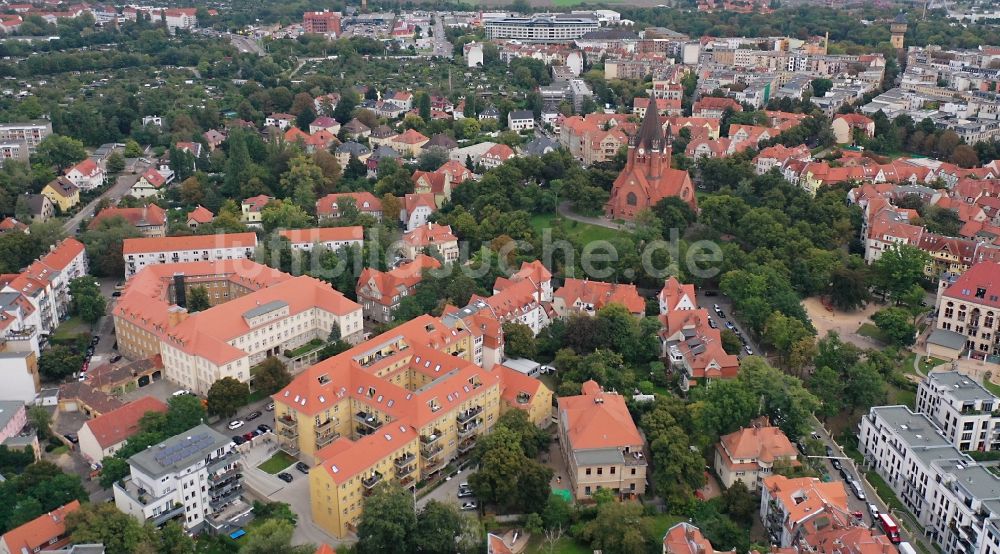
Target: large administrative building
<point>255,312</point>
<point>540,28</point>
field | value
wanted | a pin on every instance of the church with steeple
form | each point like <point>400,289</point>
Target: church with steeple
<point>647,176</point>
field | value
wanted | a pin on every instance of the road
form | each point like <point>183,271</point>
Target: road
<point>246,44</point>
<point>717,298</point>
<point>441,45</point>
<point>122,185</point>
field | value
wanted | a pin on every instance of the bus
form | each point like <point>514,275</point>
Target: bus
<point>889,528</point>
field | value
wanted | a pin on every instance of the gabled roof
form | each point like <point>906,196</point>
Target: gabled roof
<point>87,168</point>
<point>38,532</point>
<point>154,178</point>
<point>760,443</point>
<point>201,215</point>
<point>195,242</point>
<point>118,425</point>
<point>324,234</point>
<point>146,216</point>
<point>257,203</point>
<point>980,284</point>
<point>410,136</point>
<point>429,234</point>
<point>366,202</point>
<point>600,294</point>
<point>62,187</point>
<point>412,201</point>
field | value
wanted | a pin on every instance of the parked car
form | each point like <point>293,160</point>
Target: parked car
<point>116,294</point>
<point>469,505</point>
<point>182,392</point>
<point>845,475</point>
<point>253,415</point>
<point>71,437</point>
<point>302,467</point>
<point>269,407</point>
<point>729,325</point>
<point>712,323</point>
<point>874,511</point>
<point>464,492</point>
<point>286,477</point>
<point>95,340</point>
<point>238,440</point>
<point>858,490</point>
<point>248,436</point>
<point>829,450</point>
<point>116,358</point>
<point>835,464</point>
<point>711,293</point>
<point>236,424</point>
<point>748,350</point>
<point>263,428</point>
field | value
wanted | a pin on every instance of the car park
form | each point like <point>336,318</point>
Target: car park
<point>302,467</point>
<point>253,415</point>
<point>286,477</point>
<point>235,424</point>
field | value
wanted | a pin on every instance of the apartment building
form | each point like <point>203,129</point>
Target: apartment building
<point>193,478</point>
<point>142,252</point>
<point>954,498</point>
<point>331,238</point>
<point>380,292</point>
<point>583,296</point>
<point>540,28</point>
<point>520,120</point>
<point>365,202</point>
<point>30,133</point>
<point>962,408</point>
<point>12,150</point>
<point>150,220</point>
<point>324,23</point>
<point>600,443</point>
<point>430,238</point>
<point>968,309</point>
<point>106,434</point>
<point>750,454</point>
<point>45,285</point>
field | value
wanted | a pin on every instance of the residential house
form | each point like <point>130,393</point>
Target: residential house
<point>845,125</point>
<point>11,225</point>
<point>280,120</point>
<point>409,142</point>
<point>496,155</point>
<point>86,175</point>
<point>365,202</point>
<point>151,184</point>
<point>213,139</point>
<point>665,107</point>
<point>349,150</point>
<point>106,434</point>
<point>150,220</point>
<point>13,418</point>
<point>252,208</point>
<point>520,120</point>
<point>380,292</point>
<point>750,454</point>
<point>588,297</point>
<point>324,123</point>
<point>675,296</point>
<point>431,237</point>
<point>356,129</point>
<point>199,216</point>
<point>403,99</point>
<point>710,106</point>
<point>62,193</point>
<point>600,444</point>
<point>45,532</point>
<point>693,347</point>
<point>685,538</point>
<point>417,209</point>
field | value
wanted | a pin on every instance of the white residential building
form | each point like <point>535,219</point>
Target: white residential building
<point>333,238</point>
<point>140,252</point>
<point>520,120</point>
<point>30,133</point>
<point>954,498</point>
<point>963,409</point>
<point>194,478</point>
<point>86,175</point>
<point>540,27</point>
<point>20,376</point>
<point>45,283</point>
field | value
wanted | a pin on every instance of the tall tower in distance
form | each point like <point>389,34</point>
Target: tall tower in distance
<point>898,30</point>
<point>364,7</point>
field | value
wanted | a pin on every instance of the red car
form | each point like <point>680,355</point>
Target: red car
<point>248,436</point>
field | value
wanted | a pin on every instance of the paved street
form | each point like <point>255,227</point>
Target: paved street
<point>441,45</point>
<point>114,192</point>
<point>707,302</point>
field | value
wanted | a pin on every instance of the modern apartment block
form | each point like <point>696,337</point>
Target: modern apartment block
<point>600,443</point>
<point>258,312</point>
<point>30,133</point>
<point>399,407</point>
<point>141,252</point>
<point>964,410</point>
<point>194,478</point>
<point>540,28</point>
<point>45,284</point>
<point>954,498</point>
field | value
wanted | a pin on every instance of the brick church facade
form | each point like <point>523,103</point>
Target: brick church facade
<point>647,176</point>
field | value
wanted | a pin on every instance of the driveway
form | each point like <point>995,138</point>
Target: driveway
<point>122,185</point>
<point>564,210</point>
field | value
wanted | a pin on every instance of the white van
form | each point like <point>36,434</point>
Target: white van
<point>906,548</point>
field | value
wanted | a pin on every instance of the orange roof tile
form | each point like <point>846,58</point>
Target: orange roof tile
<point>151,215</point>
<point>324,234</point>
<point>597,419</point>
<point>764,444</point>
<point>600,294</point>
<point>201,215</point>
<point>194,242</point>
<point>117,425</point>
<point>366,202</point>
<point>41,531</point>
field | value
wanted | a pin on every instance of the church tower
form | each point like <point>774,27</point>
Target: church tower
<point>898,30</point>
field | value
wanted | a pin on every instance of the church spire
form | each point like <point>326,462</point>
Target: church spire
<point>650,135</point>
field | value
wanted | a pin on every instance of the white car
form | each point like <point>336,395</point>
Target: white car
<point>469,505</point>
<point>235,424</point>
<point>874,511</point>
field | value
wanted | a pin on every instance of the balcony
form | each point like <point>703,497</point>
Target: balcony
<point>290,432</point>
<point>326,424</point>
<point>405,460</point>
<point>467,444</point>
<point>27,333</point>
<point>290,446</point>
<point>432,466</point>
<point>217,502</point>
<point>323,439</point>
<point>163,518</point>
<point>370,421</point>
<point>470,428</point>
<point>467,415</point>
<point>372,480</point>
<point>220,478</point>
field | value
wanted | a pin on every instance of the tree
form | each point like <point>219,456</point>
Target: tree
<point>172,539</point>
<point>674,213</point>
<point>88,302</point>
<point>826,384</point>
<point>115,163</point>
<point>273,536</point>
<point>184,412</point>
<point>40,419</point>
<point>388,522</point>
<point>104,245</point>
<point>519,341</point>
<point>103,523</point>
<point>964,156</point>
<point>424,106</point>
<point>58,362</point>
<point>849,288</point>
<point>898,269</point>
<point>437,526</point>
<point>271,376</point>
<point>865,386</point>
<point>896,325</point>
<point>617,529</point>
<point>191,191</point>
<point>281,214</point>
<point>197,299</point>
<point>783,333</point>
<point>113,469</point>
<point>60,152</point>
<point>533,439</point>
<point>301,181</point>
<point>391,206</point>
<point>820,87</point>
<point>739,503</point>
<point>731,343</point>
<point>506,476</point>
<point>226,396</point>
<point>132,149</point>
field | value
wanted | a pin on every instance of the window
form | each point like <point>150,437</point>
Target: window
<point>588,471</point>
<point>631,199</point>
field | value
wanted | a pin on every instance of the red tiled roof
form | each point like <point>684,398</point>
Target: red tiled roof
<point>366,202</point>
<point>41,531</point>
<point>201,215</point>
<point>597,419</point>
<point>117,425</point>
<point>324,234</point>
<point>980,284</point>
<point>195,242</point>
<point>600,294</point>
<point>146,216</point>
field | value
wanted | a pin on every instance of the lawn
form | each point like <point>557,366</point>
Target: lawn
<point>277,463</point>
<point>583,232</point>
<point>565,545</point>
<point>990,386</point>
<point>307,347</point>
<point>70,328</point>
<point>871,331</point>
<point>925,366</point>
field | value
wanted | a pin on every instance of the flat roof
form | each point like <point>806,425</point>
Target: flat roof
<point>978,481</point>
<point>179,452</point>
<point>948,339</point>
<point>961,386</point>
<point>599,457</point>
